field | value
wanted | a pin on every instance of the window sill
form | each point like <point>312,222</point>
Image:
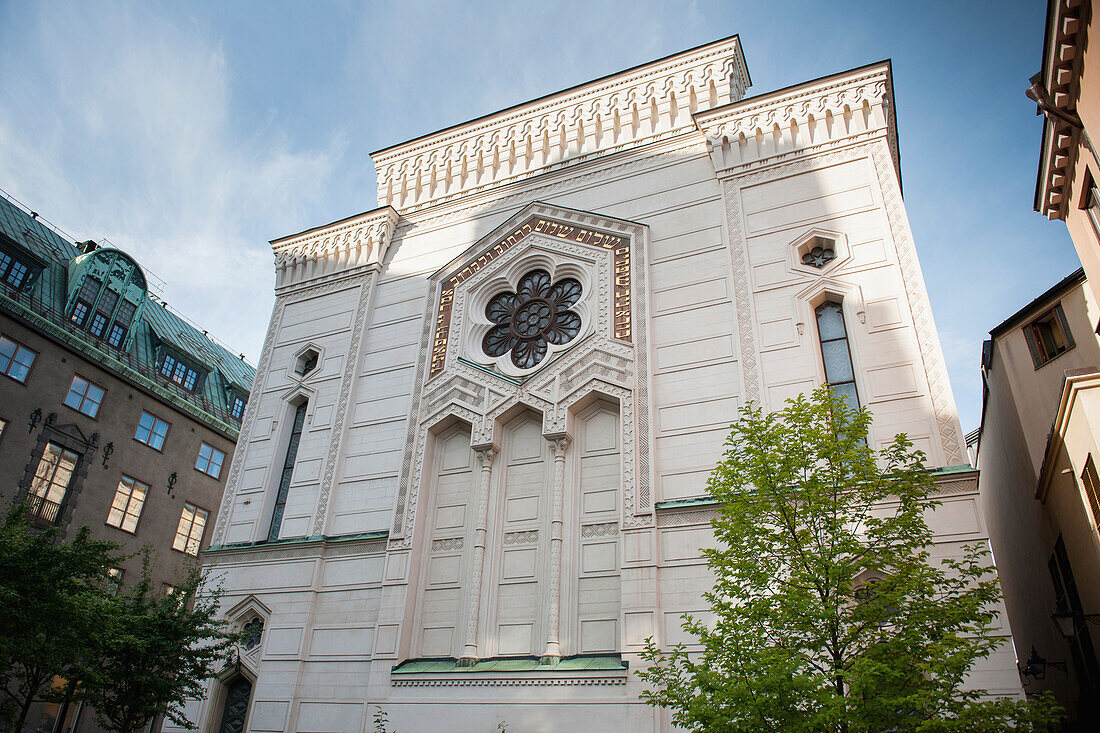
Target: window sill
<point>80,412</point>
<point>1055,357</point>
<point>120,529</point>
<point>158,450</point>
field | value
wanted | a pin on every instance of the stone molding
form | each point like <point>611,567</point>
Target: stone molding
<point>830,110</point>
<point>263,368</point>
<point>939,387</point>
<point>637,106</point>
<point>598,363</point>
<point>347,381</point>
<point>336,250</point>
<point>879,154</point>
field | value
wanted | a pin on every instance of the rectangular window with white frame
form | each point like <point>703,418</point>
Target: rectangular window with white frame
<point>151,430</point>
<point>127,505</point>
<point>84,396</point>
<point>189,532</point>
<point>210,460</point>
<point>16,359</point>
<point>51,483</point>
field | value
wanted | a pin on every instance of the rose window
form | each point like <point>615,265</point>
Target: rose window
<point>537,314</point>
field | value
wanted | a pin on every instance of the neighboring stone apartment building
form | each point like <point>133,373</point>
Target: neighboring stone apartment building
<point>115,413</point>
<point>1036,454</point>
<point>472,477</point>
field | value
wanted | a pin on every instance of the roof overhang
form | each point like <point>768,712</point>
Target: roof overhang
<point>1060,75</point>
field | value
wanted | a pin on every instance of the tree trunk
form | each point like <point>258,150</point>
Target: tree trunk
<point>23,713</point>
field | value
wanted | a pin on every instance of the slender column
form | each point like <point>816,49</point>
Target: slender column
<point>469,653</point>
<point>553,645</point>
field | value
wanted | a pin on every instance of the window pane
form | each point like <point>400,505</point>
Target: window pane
<point>7,351</point>
<point>21,364</point>
<point>99,322</point>
<point>17,274</point>
<point>80,312</point>
<point>93,399</point>
<point>838,364</point>
<point>118,333</point>
<point>830,321</point>
<point>216,463</point>
<point>144,428</point>
<point>160,429</point>
<point>848,392</point>
<point>76,392</point>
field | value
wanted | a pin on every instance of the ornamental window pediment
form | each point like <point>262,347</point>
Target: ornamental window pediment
<point>534,289</point>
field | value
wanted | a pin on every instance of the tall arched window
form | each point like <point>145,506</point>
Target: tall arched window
<point>288,470</point>
<point>835,352</point>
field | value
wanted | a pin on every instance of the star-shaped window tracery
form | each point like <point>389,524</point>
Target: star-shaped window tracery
<point>538,313</point>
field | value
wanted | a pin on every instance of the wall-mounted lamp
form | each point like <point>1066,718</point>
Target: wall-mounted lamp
<point>1070,622</point>
<point>35,418</point>
<point>1036,666</point>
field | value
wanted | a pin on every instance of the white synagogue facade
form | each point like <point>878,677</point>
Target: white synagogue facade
<point>470,481</point>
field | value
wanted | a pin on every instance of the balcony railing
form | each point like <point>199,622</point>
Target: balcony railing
<point>42,512</point>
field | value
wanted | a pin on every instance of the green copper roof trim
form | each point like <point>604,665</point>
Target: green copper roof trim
<point>694,501</point>
<point>578,663</point>
<point>960,468</point>
<point>114,364</point>
<point>487,370</point>
<point>710,500</point>
<point>153,327</point>
<point>335,538</point>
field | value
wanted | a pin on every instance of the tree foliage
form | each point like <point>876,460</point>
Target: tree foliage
<point>831,608</point>
<point>154,652</point>
<point>65,632</point>
<point>53,597</point>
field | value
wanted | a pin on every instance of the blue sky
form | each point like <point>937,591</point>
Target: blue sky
<point>190,134</point>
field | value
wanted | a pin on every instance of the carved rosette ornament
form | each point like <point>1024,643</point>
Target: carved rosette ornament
<point>537,314</point>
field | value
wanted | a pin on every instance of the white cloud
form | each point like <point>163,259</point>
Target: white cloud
<point>118,123</point>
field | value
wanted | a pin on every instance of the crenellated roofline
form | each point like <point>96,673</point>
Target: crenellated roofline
<point>337,249</point>
<point>851,105</point>
<point>642,104</point>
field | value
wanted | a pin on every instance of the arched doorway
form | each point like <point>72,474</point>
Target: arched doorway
<point>235,710</point>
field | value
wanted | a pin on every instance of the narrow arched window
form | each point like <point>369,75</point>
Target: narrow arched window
<point>288,471</point>
<point>251,633</point>
<point>835,352</point>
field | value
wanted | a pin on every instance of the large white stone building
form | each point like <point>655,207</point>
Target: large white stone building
<point>471,477</point>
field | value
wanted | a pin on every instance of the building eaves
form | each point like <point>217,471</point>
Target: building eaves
<point>1035,306</point>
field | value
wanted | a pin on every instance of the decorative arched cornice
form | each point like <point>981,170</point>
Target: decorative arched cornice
<point>336,250</point>
<point>620,111</point>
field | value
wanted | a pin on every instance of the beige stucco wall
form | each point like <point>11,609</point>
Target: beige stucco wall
<point>1021,406</point>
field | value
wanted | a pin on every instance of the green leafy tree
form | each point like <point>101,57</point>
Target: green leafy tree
<point>155,652</point>
<point>829,611</point>
<point>52,598</point>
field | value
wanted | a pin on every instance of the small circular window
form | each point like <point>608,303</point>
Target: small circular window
<point>538,313</point>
